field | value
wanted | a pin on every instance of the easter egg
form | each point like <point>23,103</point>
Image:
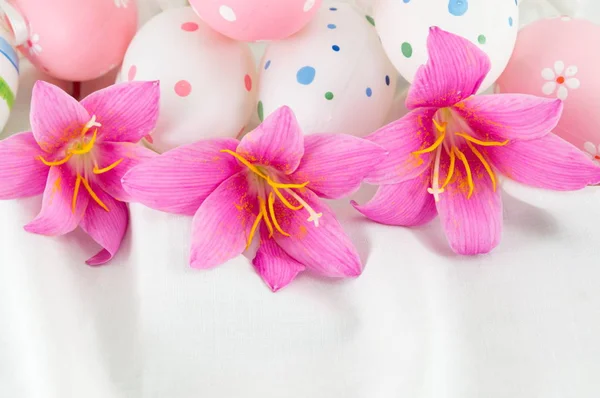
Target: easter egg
<point>403,26</point>
<point>77,40</point>
<point>334,74</point>
<point>551,59</point>
<point>207,81</point>
<point>9,78</point>
<point>251,20</point>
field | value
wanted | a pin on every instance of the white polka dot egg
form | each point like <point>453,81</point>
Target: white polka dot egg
<point>207,81</point>
<point>403,26</point>
<point>334,74</point>
<point>251,20</point>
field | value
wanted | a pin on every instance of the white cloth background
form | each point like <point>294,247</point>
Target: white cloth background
<point>522,322</point>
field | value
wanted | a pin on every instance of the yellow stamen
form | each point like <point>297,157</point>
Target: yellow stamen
<point>106,169</point>
<point>272,212</point>
<point>263,211</point>
<point>440,127</point>
<point>253,230</point>
<point>76,192</point>
<point>279,185</point>
<point>484,162</point>
<point>435,145</point>
<point>463,158</point>
<point>450,169</point>
<point>245,162</point>
<point>57,163</point>
<point>87,147</point>
<point>285,201</point>
<point>479,142</point>
<point>87,186</point>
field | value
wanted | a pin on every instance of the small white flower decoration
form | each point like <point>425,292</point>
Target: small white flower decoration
<point>121,3</point>
<point>560,80</point>
<point>592,151</point>
<point>33,45</point>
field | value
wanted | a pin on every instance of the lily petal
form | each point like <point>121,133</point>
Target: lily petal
<point>221,226</point>
<point>21,173</point>
<point>511,116</point>
<point>107,228</point>
<point>401,138</point>
<point>128,155</point>
<point>57,216</point>
<point>472,225</point>
<point>179,180</point>
<point>336,164</point>
<point>273,264</point>
<point>455,70</point>
<point>549,162</point>
<point>127,111</point>
<point>56,117</point>
<point>406,204</point>
<point>278,142</point>
<point>325,249</point>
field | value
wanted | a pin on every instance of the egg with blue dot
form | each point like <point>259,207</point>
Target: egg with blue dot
<point>403,27</point>
<point>334,74</point>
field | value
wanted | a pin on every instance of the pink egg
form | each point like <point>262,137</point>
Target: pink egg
<point>555,58</point>
<point>251,20</point>
<point>77,40</point>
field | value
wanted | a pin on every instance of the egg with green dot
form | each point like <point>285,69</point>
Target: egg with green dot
<point>403,27</point>
<point>334,75</point>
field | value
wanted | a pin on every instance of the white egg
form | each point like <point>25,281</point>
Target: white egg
<point>334,74</point>
<point>403,26</point>
<point>207,81</point>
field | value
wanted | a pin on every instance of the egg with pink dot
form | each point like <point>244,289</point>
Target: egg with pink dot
<point>552,60</point>
<point>252,20</point>
<point>403,26</point>
<point>334,74</point>
<point>72,39</point>
<point>207,81</point>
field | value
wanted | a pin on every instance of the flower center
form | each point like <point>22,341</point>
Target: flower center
<point>560,80</point>
<point>80,156</point>
<point>267,205</point>
<point>451,140</point>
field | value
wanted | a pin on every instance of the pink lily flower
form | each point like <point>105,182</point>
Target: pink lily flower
<point>446,154</point>
<point>76,155</point>
<point>267,185</point>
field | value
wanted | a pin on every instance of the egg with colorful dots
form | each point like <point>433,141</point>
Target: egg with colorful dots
<point>252,20</point>
<point>207,81</point>
<point>551,59</point>
<point>334,74</point>
<point>72,39</point>
<point>403,26</point>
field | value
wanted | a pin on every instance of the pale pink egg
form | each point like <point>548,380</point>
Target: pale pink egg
<point>77,40</point>
<point>251,20</point>
<point>556,58</point>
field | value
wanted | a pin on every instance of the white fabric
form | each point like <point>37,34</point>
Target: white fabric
<point>522,322</point>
